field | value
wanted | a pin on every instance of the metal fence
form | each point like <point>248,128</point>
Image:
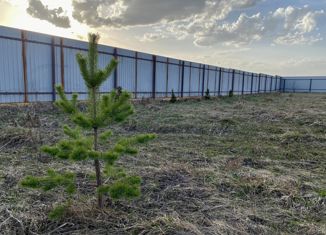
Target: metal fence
<point>31,64</point>
<point>304,84</point>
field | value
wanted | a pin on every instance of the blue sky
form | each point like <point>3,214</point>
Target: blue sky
<point>283,37</point>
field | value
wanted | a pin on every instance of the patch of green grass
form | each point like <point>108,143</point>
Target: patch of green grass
<point>322,192</point>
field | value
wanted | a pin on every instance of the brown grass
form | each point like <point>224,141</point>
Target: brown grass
<point>240,165</point>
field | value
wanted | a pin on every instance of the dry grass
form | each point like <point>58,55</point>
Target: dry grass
<point>250,165</point>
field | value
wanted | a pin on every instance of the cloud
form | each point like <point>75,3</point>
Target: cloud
<point>118,13</point>
<point>243,31</point>
<point>150,37</point>
<point>37,10</point>
<point>297,38</point>
<point>293,26</point>
<point>206,22</point>
<point>287,26</point>
<point>124,13</point>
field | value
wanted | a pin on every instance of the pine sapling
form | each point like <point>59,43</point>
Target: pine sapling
<point>207,95</point>
<point>87,139</point>
<point>173,97</point>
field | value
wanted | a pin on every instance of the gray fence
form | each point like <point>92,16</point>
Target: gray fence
<point>31,64</point>
<point>304,84</point>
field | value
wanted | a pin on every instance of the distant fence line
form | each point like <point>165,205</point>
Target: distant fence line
<point>304,85</point>
<point>31,64</point>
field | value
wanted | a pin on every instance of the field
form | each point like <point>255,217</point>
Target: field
<point>240,165</point>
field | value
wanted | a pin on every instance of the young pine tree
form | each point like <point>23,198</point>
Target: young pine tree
<point>207,95</point>
<point>231,93</point>
<point>173,97</point>
<point>87,141</point>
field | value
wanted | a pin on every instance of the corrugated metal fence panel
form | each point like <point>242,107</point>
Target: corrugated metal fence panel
<point>318,86</point>
<point>278,83</point>
<point>10,32</point>
<point>211,79</point>
<point>304,85</point>
<point>273,83</point>
<point>127,71</point>
<point>193,80</point>
<point>174,72</point>
<point>73,79</point>
<point>255,84</point>
<point>261,84</point>
<point>206,78</point>
<point>267,84</point>
<point>161,76</point>
<point>80,45</point>
<point>186,75</point>
<point>145,75</point>
<point>104,60</point>
<point>289,85</point>
<point>11,75</point>
<point>226,82</point>
<point>39,68</point>
<point>57,56</point>
<point>237,83</point>
<point>247,82</point>
<point>40,72</point>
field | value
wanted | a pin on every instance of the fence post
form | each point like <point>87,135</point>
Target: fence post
<point>115,75</point>
<point>252,82</point>
<point>23,37</point>
<point>154,78</point>
<point>265,85</point>
<point>62,63</point>
<point>219,81</point>
<point>243,78</point>
<point>233,75</point>
<point>203,82</point>
<point>182,77</point>
<point>275,83</point>
<point>310,85</point>
<point>53,68</point>
<point>271,84</point>
<point>136,74</point>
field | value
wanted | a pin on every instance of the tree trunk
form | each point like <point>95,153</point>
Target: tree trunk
<point>97,164</point>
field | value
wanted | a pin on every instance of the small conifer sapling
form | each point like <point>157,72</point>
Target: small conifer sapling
<point>173,97</point>
<point>207,95</point>
<point>88,138</point>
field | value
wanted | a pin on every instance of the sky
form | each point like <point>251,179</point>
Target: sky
<point>278,37</point>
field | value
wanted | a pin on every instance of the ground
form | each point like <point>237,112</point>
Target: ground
<point>239,165</point>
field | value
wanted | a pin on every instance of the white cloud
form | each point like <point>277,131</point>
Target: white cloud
<point>98,13</point>
<point>289,25</point>
<point>297,38</point>
<point>243,31</point>
<point>206,22</point>
<point>150,37</point>
<point>55,16</point>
